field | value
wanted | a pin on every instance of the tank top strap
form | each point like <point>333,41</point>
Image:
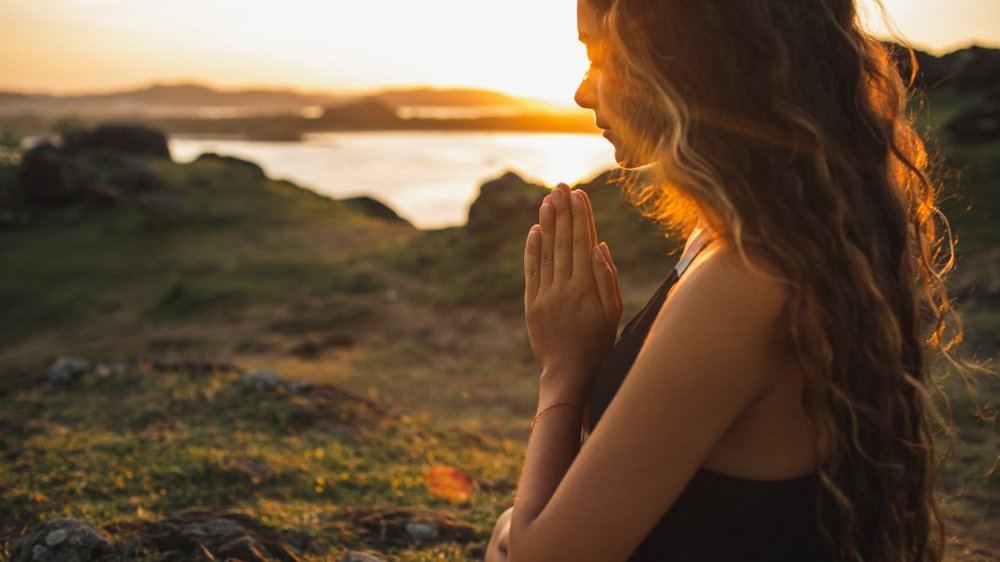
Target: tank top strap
<point>696,243</point>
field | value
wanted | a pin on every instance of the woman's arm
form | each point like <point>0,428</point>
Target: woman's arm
<point>710,353</point>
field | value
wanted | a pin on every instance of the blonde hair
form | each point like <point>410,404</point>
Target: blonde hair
<point>784,123</point>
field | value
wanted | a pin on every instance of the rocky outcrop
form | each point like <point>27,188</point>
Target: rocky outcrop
<point>47,177</point>
<point>64,540</point>
<point>100,165</point>
<point>118,137</point>
<point>502,200</point>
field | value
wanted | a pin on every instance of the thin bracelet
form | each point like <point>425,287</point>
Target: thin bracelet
<point>539,414</point>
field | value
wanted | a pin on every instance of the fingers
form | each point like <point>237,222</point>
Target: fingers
<point>605,284</point>
<point>614,270</point>
<point>590,217</point>
<point>581,237</point>
<point>547,220</point>
<point>532,255</point>
<point>563,256</point>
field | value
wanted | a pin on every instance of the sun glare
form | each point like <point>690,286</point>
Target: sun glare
<point>523,47</point>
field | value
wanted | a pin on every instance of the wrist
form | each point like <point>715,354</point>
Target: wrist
<point>559,384</point>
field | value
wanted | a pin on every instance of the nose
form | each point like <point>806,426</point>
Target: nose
<point>585,95</point>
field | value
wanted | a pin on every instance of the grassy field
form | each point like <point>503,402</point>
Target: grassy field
<point>413,340</point>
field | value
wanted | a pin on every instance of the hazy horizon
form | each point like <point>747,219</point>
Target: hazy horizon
<point>520,47</point>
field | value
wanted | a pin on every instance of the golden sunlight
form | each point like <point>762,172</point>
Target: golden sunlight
<point>522,47</point>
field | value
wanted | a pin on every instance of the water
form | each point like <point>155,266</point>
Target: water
<point>429,178</point>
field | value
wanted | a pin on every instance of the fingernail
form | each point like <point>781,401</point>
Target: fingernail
<point>599,255</point>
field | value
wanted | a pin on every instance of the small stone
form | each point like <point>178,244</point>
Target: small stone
<point>262,379</point>
<point>55,537</point>
<point>422,532</point>
<point>66,370</point>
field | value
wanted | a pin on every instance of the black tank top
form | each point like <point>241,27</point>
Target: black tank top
<point>717,517</point>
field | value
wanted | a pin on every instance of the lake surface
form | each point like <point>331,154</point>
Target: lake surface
<point>429,178</point>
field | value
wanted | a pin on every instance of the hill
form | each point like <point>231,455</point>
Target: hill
<point>199,360</point>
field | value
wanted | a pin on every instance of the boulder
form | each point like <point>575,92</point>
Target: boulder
<point>123,172</point>
<point>118,137</point>
<point>48,177</point>
<point>64,540</point>
<point>502,200</point>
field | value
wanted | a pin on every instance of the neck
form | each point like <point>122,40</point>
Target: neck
<point>701,229</point>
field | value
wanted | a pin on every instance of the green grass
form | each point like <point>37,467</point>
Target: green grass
<point>256,268</point>
<point>145,445</point>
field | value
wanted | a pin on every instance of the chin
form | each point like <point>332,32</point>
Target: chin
<point>626,158</point>
<point>628,161</point>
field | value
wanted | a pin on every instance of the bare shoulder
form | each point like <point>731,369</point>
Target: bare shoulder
<point>729,302</point>
<point>722,279</point>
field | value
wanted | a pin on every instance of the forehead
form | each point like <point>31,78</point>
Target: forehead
<point>587,23</point>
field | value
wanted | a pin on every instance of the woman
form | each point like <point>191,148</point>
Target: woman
<point>776,404</point>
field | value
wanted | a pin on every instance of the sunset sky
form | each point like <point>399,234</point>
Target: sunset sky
<point>524,47</point>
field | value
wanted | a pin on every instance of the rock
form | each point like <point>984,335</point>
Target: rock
<point>161,210</point>
<point>238,163</point>
<point>48,177</point>
<point>63,540</point>
<point>980,124</point>
<point>420,531</point>
<point>262,379</point>
<point>122,172</point>
<point>373,208</point>
<point>66,370</point>
<point>118,137</point>
<point>359,556</point>
<point>504,199</point>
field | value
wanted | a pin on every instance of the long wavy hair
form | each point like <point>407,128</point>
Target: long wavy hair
<point>784,123</point>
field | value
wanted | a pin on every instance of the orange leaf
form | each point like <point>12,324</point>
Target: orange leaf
<point>449,483</point>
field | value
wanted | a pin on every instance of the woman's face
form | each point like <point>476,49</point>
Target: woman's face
<point>597,90</point>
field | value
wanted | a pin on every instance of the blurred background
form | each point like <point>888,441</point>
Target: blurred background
<point>260,266</point>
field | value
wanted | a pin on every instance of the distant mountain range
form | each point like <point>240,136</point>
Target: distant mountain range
<point>285,114</point>
<point>197,100</point>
